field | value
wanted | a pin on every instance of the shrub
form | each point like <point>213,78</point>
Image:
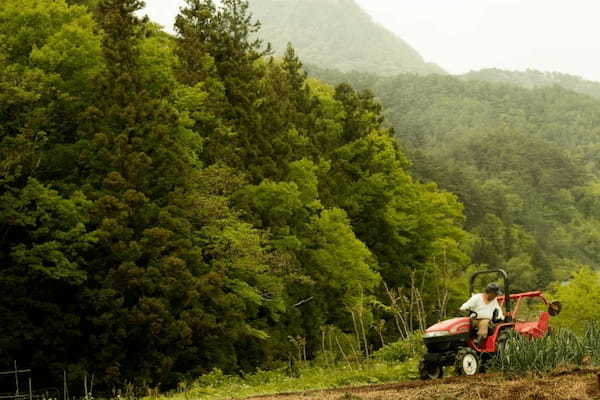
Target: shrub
<point>580,297</point>
<point>214,378</point>
<point>403,349</point>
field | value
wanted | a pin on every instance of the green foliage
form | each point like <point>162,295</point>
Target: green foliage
<point>591,342</point>
<point>579,297</point>
<point>321,31</point>
<point>521,161</point>
<point>170,205</point>
<point>519,354</point>
<point>402,350</point>
<point>51,232</point>
<point>216,385</point>
<point>535,79</point>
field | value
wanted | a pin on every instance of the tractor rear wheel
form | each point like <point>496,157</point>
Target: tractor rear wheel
<point>467,363</point>
<point>429,370</point>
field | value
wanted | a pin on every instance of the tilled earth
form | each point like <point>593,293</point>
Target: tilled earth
<point>567,385</point>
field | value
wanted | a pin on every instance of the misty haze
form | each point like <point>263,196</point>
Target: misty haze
<point>466,35</point>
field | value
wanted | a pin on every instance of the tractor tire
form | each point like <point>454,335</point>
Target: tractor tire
<point>429,371</point>
<point>467,363</point>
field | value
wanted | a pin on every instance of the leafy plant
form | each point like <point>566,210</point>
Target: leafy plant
<point>216,385</point>
<point>403,349</point>
<point>591,342</point>
<point>520,354</point>
<point>580,297</point>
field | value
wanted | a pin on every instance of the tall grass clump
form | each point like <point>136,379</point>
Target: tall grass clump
<point>519,354</point>
<point>591,342</point>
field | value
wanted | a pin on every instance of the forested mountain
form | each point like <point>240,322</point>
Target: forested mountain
<point>170,205</point>
<point>535,79</point>
<point>525,163</point>
<point>337,34</point>
<point>174,204</point>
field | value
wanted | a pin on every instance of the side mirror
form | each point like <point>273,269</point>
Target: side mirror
<point>554,308</point>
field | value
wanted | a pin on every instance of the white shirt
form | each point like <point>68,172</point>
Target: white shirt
<point>483,310</point>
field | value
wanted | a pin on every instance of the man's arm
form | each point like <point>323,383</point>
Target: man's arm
<point>470,304</point>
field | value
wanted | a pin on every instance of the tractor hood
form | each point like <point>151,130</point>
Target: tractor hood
<point>452,326</point>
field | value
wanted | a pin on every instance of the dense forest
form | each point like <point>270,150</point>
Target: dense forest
<point>172,204</point>
<point>535,79</point>
<point>523,162</point>
<point>337,34</point>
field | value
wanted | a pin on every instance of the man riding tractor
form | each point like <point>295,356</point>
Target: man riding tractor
<point>469,343</point>
<point>482,307</point>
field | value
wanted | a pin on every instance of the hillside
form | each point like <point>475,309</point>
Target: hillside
<point>523,162</point>
<point>535,79</point>
<point>175,207</point>
<point>321,31</point>
<point>172,206</point>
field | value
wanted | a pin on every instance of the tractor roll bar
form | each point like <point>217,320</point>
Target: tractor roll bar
<point>504,275</point>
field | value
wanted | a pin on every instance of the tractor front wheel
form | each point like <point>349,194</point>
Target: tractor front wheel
<point>429,370</point>
<point>467,363</point>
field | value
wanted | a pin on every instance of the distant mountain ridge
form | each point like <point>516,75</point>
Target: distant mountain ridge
<point>337,34</point>
<point>532,79</point>
<point>340,35</point>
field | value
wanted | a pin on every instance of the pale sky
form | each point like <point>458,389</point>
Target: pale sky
<point>464,35</point>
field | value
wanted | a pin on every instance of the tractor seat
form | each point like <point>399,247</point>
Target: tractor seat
<point>535,329</point>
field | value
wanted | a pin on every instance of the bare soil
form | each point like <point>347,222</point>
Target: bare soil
<point>566,385</point>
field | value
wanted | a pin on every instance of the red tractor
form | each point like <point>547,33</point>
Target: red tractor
<point>452,342</point>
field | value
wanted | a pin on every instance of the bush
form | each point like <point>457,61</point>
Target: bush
<point>403,349</point>
<point>580,298</point>
<point>214,378</point>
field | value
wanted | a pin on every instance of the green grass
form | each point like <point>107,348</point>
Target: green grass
<point>561,348</point>
<point>395,362</point>
<point>591,342</point>
<point>217,386</point>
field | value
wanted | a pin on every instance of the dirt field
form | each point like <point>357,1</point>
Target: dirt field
<point>571,385</point>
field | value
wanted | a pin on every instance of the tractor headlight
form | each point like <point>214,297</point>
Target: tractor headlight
<point>436,334</point>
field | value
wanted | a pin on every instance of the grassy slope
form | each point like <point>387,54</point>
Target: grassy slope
<point>216,386</point>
